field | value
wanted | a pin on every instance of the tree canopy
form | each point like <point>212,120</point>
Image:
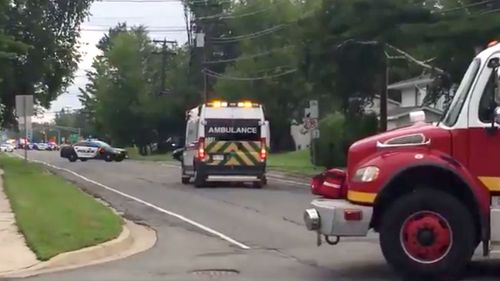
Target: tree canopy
<point>282,53</point>
<point>38,49</point>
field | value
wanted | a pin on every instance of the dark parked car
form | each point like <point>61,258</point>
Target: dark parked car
<point>93,149</point>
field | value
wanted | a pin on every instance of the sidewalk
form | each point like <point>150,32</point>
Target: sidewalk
<point>14,253</point>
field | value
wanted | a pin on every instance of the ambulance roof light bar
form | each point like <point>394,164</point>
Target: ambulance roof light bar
<point>244,104</point>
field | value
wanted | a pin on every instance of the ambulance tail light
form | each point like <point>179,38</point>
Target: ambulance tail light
<point>263,150</point>
<point>200,152</point>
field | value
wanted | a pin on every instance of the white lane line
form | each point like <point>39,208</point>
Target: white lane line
<point>170,213</point>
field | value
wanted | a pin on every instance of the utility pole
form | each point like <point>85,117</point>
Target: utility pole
<point>384,92</point>
<point>164,53</point>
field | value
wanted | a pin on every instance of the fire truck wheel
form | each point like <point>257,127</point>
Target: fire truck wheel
<point>428,233</point>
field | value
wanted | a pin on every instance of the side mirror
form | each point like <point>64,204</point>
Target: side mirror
<point>496,115</point>
<point>178,154</point>
<point>494,63</point>
<point>496,73</point>
<point>417,116</point>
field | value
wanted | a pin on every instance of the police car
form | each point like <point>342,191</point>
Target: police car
<point>93,149</point>
<point>226,142</point>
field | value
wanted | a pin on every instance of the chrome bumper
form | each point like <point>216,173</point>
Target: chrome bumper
<point>331,218</point>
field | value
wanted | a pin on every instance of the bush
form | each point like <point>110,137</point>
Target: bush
<point>338,134</point>
<point>329,146</point>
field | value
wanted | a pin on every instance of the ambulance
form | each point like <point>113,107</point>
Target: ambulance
<point>226,142</point>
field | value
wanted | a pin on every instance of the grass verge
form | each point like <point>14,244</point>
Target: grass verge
<point>295,162</point>
<point>54,215</point>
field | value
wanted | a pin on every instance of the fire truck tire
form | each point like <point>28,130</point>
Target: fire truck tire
<point>428,233</point>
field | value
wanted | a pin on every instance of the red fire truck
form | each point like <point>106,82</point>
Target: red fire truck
<point>431,191</point>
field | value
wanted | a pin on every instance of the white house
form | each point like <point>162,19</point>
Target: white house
<point>408,96</point>
<point>300,136</point>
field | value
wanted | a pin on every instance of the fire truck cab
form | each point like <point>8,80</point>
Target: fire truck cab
<point>431,191</point>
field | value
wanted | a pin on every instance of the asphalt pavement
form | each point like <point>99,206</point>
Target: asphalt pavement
<point>222,232</point>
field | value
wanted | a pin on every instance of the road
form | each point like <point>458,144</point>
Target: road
<point>242,233</point>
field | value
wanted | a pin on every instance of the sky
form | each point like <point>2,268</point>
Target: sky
<point>157,15</point>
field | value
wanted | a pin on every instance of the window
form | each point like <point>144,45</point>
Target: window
<point>487,103</point>
<point>192,130</point>
<point>463,90</point>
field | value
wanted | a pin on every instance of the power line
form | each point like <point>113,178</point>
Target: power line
<point>247,57</point>
<point>139,1</point>
<point>160,1</point>
<point>149,30</point>
<point>259,33</point>
<point>463,7</point>
<point>233,16</point>
<point>252,35</point>
<point>234,78</point>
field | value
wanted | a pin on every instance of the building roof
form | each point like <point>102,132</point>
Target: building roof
<point>412,82</point>
<point>399,112</point>
<point>388,100</point>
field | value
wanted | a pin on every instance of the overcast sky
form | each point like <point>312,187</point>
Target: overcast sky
<point>157,16</point>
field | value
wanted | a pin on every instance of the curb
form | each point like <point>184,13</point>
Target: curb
<point>132,240</point>
<point>303,180</point>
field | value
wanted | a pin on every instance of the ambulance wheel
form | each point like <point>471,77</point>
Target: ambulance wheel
<point>199,179</point>
<point>257,184</point>
<point>72,158</point>
<point>428,233</point>
<point>185,179</point>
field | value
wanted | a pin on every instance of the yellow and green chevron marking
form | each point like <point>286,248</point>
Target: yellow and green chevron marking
<point>236,153</point>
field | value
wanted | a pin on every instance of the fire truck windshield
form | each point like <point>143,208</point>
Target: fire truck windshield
<point>451,116</point>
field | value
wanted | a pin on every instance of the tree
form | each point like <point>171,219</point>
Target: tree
<point>265,68</point>
<point>42,39</point>
<point>122,98</point>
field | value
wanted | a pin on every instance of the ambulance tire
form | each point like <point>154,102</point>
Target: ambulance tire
<point>199,179</point>
<point>264,180</point>
<point>257,184</point>
<point>447,245</point>
<point>185,179</point>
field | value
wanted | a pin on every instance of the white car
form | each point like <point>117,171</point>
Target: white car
<point>6,147</point>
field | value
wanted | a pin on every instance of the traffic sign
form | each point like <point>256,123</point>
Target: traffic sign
<point>315,134</point>
<point>313,109</point>
<point>310,123</point>
<point>24,105</point>
<point>74,138</point>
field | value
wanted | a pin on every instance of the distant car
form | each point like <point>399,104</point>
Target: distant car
<point>53,146</point>
<point>93,149</point>
<point>40,146</point>
<point>6,147</point>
